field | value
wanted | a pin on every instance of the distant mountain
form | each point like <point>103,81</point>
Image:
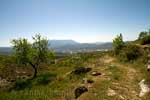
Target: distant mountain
<point>60,43</point>
<point>5,50</point>
<point>69,46</point>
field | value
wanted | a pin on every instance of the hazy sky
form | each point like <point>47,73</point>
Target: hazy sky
<point>80,20</point>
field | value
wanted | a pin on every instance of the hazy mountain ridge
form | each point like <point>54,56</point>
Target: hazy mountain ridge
<point>70,45</point>
<point>67,46</point>
<point>60,43</point>
<point>5,50</point>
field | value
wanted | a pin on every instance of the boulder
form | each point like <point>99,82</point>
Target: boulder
<point>80,90</point>
<point>95,73</point>
<point>81,70</point>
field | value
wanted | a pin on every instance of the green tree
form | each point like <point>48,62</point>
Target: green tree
<point>118,43</point>
<point>144,37</point>
<point>33,54</point>
<point>143,34</point>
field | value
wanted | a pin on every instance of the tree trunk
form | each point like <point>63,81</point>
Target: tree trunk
<point>35,72</point>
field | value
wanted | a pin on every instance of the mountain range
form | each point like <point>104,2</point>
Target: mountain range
<point>69,46</point>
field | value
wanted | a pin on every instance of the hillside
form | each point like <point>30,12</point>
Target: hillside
<point>117,80</point>
<point>74,49</point>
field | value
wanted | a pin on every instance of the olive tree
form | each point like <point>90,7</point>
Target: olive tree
<point>32,54</point>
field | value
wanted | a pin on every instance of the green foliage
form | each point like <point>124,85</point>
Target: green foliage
<point>35,53</point>
<point>22,50</point>
<point>116,72</point>
<point>127,52</point>
<point>1,67</point>
<point>7,60</point>
<point>145,40</point>
<point>130,52</point>
<point>145,56</point>
<point>118,43</point>
<point>39,49</point>
<point>144,37</point>
<point>32,54</point>
<point>143,34</point>
<point>43,79</point>
<point>22,84</point>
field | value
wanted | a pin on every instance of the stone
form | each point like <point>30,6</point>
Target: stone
<point>111,92</point>
<point>144,88</point>
<point>80,90</point>
<point>24,72</point>
<point>90,81</point>
<point>121,97</point>
<point>81,70</point>
<point>95,73</point>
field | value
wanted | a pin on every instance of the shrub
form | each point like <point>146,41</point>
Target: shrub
<point>43,79</point>
<point>143,34</point>
<point>145,56</point>
<point>118,44</point>
<point>145,40</point>
<point>130,52</point>
<point>22,84</point>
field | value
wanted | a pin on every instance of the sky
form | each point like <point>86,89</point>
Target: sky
<point>84,21</point>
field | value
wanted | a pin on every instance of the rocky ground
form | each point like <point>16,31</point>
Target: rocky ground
<point>106,79</point>
<point>117,82</point>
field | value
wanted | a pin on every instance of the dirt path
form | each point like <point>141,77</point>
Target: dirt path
<point>125,88</point>
<point>128,86</point>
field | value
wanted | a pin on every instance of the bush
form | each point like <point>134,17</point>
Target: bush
<point>118,44</point>
<point>145,56</point>
<point>22,84</point>
<point>43,79</point>
<point>145,40</point>
<point>130,52</point>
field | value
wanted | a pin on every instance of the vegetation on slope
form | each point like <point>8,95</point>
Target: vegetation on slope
<point>121,71</point>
